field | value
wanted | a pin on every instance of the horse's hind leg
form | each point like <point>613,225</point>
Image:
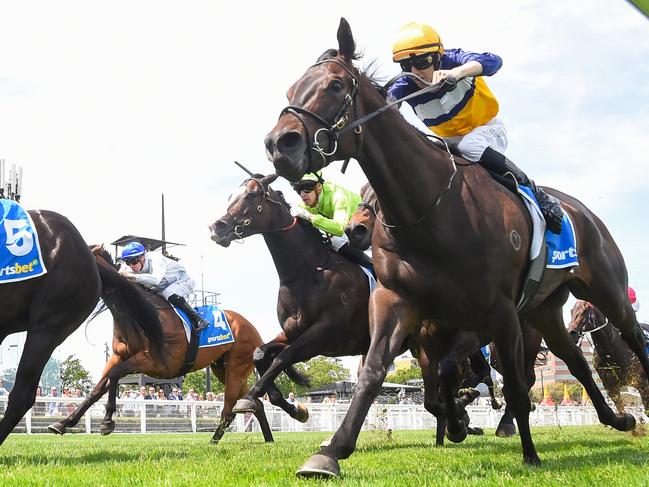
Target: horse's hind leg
<point>97,392</point>
<point>429,365</point>
<point>548,319</point>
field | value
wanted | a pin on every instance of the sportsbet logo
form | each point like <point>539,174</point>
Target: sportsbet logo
<point>18,269</point>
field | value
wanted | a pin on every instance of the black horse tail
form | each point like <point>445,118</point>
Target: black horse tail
<point>129,307</point>
<point>298,377</point>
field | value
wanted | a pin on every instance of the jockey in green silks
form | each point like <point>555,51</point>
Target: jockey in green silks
<point>329,207</point>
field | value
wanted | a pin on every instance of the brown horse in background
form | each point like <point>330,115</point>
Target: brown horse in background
<point>453,246</point>
<point>50,307</point>
<point>231,363</point>
<point>613,360</point>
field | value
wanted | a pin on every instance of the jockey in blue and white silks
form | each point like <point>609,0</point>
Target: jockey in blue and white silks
<point>466,115</point>
<point>167,277</point>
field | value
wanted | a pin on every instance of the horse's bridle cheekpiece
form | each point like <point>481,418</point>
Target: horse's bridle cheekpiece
<point>340,125</point>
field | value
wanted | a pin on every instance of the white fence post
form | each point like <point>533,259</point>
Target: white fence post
<point>88,422</point>
<point>143,418</point>
<point>193,416</point>
<point>28,421</point>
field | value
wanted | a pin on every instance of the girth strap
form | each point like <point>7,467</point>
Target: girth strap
<point>192,351</point>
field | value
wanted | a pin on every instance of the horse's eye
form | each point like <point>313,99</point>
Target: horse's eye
<point>250,196</point>
<point>336,85</point>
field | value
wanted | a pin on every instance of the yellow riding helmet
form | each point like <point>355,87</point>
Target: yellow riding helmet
<point>415,39</point>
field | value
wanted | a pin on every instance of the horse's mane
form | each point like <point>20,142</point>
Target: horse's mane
<point>309,229</point>
<point>370,73</point>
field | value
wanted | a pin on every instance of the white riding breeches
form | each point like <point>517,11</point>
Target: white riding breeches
<point>183,287</point>
<point>473,144</point>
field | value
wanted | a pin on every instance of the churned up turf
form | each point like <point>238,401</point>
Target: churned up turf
<point>574,456</point>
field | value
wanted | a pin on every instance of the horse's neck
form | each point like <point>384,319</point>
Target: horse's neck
<point>295,250</point>
<point>398,162</point>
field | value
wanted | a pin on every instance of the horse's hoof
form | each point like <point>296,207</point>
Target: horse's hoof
<point>107,427</point>
<point>57,428</point>
<point>532,460</point>
<point>475,431</point>
<point>497,406</point>
<point>626,422</point>
<point>319,465</point>
<point>457,437</point>
<point>244,405</point>
<point>301,413</point>
<point>506,430</point>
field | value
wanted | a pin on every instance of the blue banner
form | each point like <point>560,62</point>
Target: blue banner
<point>20,253</point>
<point>218,333</point>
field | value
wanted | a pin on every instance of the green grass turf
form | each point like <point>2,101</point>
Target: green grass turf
<point>592,456</point>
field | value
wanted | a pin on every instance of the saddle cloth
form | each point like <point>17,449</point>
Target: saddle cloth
<point>562,249</point>
<point>218,333</point>
<point>370,277</point>
<point>20,252</point>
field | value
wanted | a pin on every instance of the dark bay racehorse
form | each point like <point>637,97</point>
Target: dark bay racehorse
<point>50,307</point>
<point>455,347</point>
<point>453,246</point>
<point>614,362</point>
<point>231,363</point>
<point>322,301</point>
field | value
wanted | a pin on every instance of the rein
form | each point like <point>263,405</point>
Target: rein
<point>340,126</point>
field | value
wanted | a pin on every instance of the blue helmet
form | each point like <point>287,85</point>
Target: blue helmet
<point>132,249</point>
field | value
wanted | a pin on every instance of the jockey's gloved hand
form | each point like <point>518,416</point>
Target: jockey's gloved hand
<point>299,212</point>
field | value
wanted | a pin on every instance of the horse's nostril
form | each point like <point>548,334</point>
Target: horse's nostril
<point>289,141</point>
<point>269,142</point>
<point>217,225</point>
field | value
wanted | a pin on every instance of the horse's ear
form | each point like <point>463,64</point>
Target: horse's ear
<point>346,44</point>
<point>268,180</point>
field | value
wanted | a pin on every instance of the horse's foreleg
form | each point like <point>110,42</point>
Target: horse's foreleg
<point>507,335</point>
<point>429,364</point>
<point>306,346</point>
<point>390,321</point>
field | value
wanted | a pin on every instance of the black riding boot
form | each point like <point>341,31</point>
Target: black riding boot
<point>496,162</point>
<point>198,322</point>
<point>356,256</point>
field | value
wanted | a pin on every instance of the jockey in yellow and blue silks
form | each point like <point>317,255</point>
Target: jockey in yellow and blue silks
<point>465,116</point>
<point>329,207</point>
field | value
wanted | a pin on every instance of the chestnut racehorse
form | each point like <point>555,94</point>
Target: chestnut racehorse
<point>231,363</point>
<point>453,246</point>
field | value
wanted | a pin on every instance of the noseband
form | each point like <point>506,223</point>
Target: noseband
<point>332,128</point>
<point>591,319</point>
<point>341,124</point>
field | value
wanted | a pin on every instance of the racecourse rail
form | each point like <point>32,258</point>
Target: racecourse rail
<point>138,416</point>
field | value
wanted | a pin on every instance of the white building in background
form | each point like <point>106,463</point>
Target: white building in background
<point>11,350</point>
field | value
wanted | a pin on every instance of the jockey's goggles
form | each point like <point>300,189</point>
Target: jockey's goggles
<point>132,260</point>
<point>419,62</point>
<point>305,186</point>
